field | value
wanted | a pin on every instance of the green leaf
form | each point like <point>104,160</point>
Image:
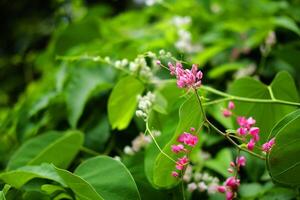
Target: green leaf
<point>282,161</point>
<point>219,71</point>
<point>265,114</point>
<point>48,148</point>
<point>123,100</point>
<point>4,191</point>
<point>220,163</point>
<point>17,178</point>
<point>109,180</point>
<point>82,189</point>
<point>250,190</point>
<point>189,116</point>
<point>288,23</point>
<point>82,83</point>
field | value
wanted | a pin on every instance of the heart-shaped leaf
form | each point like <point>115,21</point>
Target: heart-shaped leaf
<point>282,161</point>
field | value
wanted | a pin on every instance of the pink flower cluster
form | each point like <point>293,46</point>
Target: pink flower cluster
<point>185,77</point>
<point>232,183</point>
<point>227,112</point>
<point>186,140</point>
<point>247,128</point>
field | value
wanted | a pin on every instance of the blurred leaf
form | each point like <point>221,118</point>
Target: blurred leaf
<point>250,190</point>
<point>219,71</point>
<point>48,148</point>
<point>220,162</point>
<point>288,23</point>
<point>283,161</point>
<point>82,83</point>
<point>123,100</point>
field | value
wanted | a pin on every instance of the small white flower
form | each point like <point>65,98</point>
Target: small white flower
<point>202,186</point>
<point>128,150</point>
<point>191,187</point>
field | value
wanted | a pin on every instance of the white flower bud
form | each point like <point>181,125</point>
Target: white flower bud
<point>191,187</point>
<point>128,150</point>
<point>202,186</point>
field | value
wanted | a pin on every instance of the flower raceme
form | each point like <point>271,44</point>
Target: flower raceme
<point>232,183</point>
<point>186,140</point>
<point>247,128</point>
<point>186,78</point>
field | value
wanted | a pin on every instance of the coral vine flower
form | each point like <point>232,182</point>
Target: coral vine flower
<point>181,162</point>
<point>241,161</point>
<point>231,105</point>
<point>185,77</point>
<point>188,139</point>
<point>175,174</point>
<point>266,147</point>
<point>227,113</point>
<point>177,148</point>
<point>251,145</point>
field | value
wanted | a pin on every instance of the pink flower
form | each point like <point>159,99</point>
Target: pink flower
<point>192,129</point>
<point>242,131</point>
<point>175,174</point>
<point>242,121</point>
<point>158,62</point>
<point>185,77</point>
<point>177,148</point>
<point>241,161</point>
<point>251,121</point>
<point>232,182</point>
<point>251,144</point>
<point>171,68</point>
<point>181,162</point>
<point>254,131</point>
<point>188,139</point>
<point>266,147</point>
<point>229,195</point>
<point>231,105</point>
<point>227,113</point>
<point>222,189</point>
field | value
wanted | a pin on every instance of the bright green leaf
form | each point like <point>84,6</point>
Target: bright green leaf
<point>283,161</point>
<point>123,100</point>
<point>48,148</point>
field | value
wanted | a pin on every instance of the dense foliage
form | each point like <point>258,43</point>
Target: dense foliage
<point>97,102</point>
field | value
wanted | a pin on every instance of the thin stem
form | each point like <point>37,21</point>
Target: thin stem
<point>216,101</point>
<point>89,151</point>
<point>245,99</point>
<point>157,145</point>
<point>182,189</point>
<point>200,103</point>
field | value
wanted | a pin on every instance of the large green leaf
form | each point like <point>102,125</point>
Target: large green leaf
<point>52,147</point>
<point>101,177</point>
<point>17,178</point>
<point>189,116</point>
<point>123,100</point>
<point>266,115</point>
<point>283,161</point>
<point>83,81</point>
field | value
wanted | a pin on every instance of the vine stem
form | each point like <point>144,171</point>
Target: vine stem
<point>89,151</point>
<point>245,99</point>
<point>227,136</point>
<point>156,144</point>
